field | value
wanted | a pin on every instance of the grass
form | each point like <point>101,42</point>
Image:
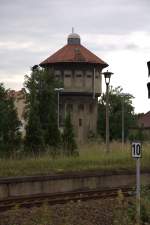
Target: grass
<point>93,156</point>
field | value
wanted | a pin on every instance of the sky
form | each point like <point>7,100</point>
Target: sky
<point>117,31</point>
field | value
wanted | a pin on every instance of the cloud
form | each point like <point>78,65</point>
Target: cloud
<point>11,45</point>
<point>31,30</point>
<point>134,41</point>
<point>35,18</point>
<point>132,46</point>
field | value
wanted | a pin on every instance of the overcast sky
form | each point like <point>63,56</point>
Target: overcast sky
<point>118,31</point>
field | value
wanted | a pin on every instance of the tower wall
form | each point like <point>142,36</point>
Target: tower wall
<point>83,111</point>
<point>80,97</point>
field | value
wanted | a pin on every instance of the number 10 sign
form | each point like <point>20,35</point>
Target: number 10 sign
<point>136,150</point>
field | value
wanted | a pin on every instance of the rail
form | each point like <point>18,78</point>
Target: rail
<point>61,198</point>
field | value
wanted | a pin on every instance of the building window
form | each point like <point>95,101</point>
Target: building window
<point>69,108</point>
<point>89,73</point>
<point>81,107</point>
<point>89,76</point>
<point>57,76</point>
<point>80,122</point>
<point>57,73</point>
<point>67,75</point>
<point>78,75</point>
<point>91,108</point>
<point>67,79</point>
<point>78,79</point>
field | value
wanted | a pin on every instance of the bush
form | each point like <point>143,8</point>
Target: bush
<point>68,137</point>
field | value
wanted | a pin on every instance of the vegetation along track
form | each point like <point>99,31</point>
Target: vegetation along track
<point>61,198</point>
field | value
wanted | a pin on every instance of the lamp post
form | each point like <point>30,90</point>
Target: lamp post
<point>122,122</point>
<point>107,76</point>
<point>123,95</point>
<point>58,90</point>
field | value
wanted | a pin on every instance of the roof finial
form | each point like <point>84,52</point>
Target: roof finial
<point>72,30</point>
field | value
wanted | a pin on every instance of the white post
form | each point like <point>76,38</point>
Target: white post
<point>138,191</point>
<point>136,153</point>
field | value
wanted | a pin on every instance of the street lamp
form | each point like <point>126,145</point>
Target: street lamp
<point>123,95</point>
<point>58,90</point>
<point>107,76</point>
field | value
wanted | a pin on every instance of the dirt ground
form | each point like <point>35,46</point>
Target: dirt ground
<point>92,212</point>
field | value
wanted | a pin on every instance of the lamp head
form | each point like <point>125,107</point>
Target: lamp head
<point>58,89</point>
<point>107,76</point>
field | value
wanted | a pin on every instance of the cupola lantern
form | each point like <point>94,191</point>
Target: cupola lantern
<point>73,39</point>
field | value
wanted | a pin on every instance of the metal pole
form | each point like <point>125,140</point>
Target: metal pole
<point>122,122</point>
<point>138,191</point>
<point>107,117</point>
<point>58,112</point>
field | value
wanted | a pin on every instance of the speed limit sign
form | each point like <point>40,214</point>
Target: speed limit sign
<point>137,153</point>
<point>136,150</point>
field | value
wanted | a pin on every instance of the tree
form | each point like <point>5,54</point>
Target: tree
<point>34,140</point>
<point>41,130</point>
<point>69,143</point>
<point>116,99</point>
<point>48,107</point>
<point>10,136</point>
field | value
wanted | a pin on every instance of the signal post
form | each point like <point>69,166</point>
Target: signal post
<point>137,154</point>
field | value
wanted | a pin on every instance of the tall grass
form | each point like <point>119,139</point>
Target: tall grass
<point>92,156</point>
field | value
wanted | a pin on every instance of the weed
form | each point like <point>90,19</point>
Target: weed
<point>92,156</point>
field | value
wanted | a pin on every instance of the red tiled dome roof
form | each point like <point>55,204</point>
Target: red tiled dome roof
<point>74,53</point>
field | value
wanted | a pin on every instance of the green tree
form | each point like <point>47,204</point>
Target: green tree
<point>10,137</point>
<point>48,107</point>
<point>34,140</point>
<point>41,130</point>
<point>117,101</point>
<point>69,143</point>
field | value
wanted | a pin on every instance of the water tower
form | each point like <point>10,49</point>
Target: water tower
<point>79,70</point>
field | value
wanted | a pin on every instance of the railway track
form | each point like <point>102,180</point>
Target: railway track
<point>61,198</point>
